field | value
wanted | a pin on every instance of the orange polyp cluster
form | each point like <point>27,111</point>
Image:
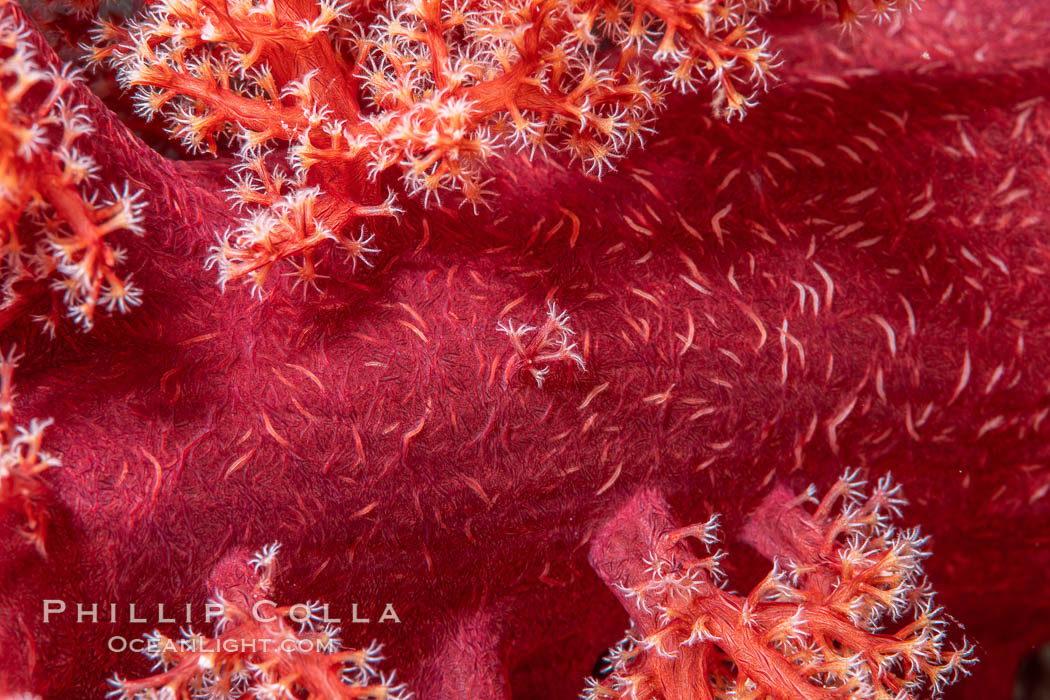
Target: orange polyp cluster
<point>337,94</point>
<point>333,95</point>
<point>815,627</point>
<point>56,226</point>
<point>22,462</point>
<point>341,93</point>
<point>260,650</point>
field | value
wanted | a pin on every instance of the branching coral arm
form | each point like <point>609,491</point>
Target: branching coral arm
<point>22,461</point>
<point>812,629</point>
<point>260,649</point>
<point>53,225</point>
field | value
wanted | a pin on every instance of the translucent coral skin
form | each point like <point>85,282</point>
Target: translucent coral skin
<point>412,474</point>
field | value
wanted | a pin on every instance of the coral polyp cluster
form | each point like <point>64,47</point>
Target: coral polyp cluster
<point>260,650</point>
<point>845,611</point>
<point>57,221</point>
<point>321,99</point>
<point>22,461</point>
<point>539,349</point>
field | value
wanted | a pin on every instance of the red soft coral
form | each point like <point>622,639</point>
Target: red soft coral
<point>23,494</point>
<point>260,650</point>
<point>53,228</point>
<point>854,274</point>
<point>814,626</point>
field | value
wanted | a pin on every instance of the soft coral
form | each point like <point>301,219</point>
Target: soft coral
<point>326,97</point>
<point>409,471</point>
<point>53,227</point>
<point>813,627</point>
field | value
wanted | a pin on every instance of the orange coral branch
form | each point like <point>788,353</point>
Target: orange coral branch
<point>813,628</point>
<point>51,226</point>
<point>433,88</point>
<point>22,461</point>
<point>260,650</point>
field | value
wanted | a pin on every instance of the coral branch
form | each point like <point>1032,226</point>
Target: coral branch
<point>56,224</point>
<point>814,627</point>
<point>260,650</point>
<point>22,461</point>
<point>468,663</point>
